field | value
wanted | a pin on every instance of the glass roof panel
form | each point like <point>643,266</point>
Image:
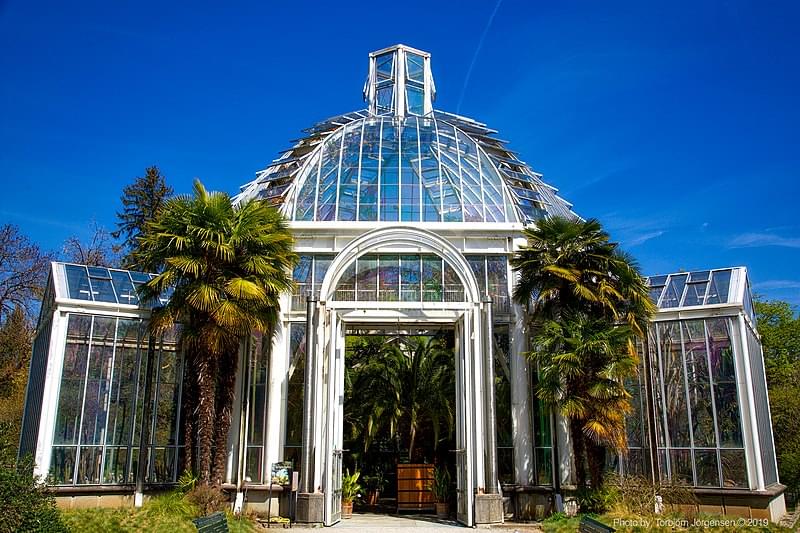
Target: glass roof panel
<point>718,288</point>
<point>78,282</point>
<point>385,65</point>
<point>414,68</point>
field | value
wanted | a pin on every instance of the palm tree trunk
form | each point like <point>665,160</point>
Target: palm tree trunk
<point>188,404</point>
<point>206,414</point>
<point>597,463</point>
<point>578,451</point>
<point>225,393</point>
<point>411,440</point>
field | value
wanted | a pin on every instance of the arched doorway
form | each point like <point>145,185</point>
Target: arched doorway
<point>464,309</point>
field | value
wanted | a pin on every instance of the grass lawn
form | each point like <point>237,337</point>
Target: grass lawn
<point>559,523</point>
<point>169,512</point>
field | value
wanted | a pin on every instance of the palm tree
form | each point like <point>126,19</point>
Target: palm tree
<point>587,302</point>
<point>582,364</point>
<point>225,267</point>
<point>411,381</point>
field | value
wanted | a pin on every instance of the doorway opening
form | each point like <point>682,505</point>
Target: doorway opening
<point>399,419</point>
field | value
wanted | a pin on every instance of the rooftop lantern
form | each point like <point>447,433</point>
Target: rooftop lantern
<point>400,82</point>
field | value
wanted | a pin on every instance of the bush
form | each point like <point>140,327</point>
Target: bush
<point>637,494</point>
<point>207,498</point>
<point>25,505</point>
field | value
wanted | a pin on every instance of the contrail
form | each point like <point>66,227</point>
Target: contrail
<point>475,55</point>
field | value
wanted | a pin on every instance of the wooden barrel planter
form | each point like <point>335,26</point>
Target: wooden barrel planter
<point>413,493</point>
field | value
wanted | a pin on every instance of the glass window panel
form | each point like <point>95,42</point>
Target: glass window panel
<point>116,466</point>
<point>384,64</point>
<point>409,172</point>
<point>410,278</point>
<point>544,466</point>
<point>701,275</point>
<point>705,462</point>
<point>389,278</point>
<point>328,177</point>
<point>89,465</point>
<point>505,464</point>
<point>367,278</point>
<point>162,465</point>
<point>702,415</point>
<point>478,265</point>
<point>346,289</point>
<point>673,294</point>
<point>368,177</point>
<point>304,209</point>
<point>471,187</point>
<point>453,288</point>
<point>348,178</point>
<point>385,98</point>
<point>681,462</point>
<point>390,169</point>
<point>695,293</point>
<point>721,351</point>
<point>302,275</point>
<point>78,282</point>
<point>321,265</point>
<point>415,100</point>
<point>126,293</point>
<point>728,416</point>
<point>95,404</point>
<point>102,290</point>
<point>497,276</point>
<point>62,466</point>
<point>429,165</point>
<point>414,68</point>
<point>98,272</point>
<point>734,468</point>
<point>674,397</point>
<point>255,465</point>
<point>295,384</point>
<point>123,395</point>
<point>492,191</point>
<point>635,462</point>
<point>431,279</point>
<point>718,288</point>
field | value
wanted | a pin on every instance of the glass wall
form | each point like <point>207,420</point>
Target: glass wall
<point>491,272</point>
<point>406,278</point>
<point>308,276</point>
<point>542,438</point>
<point>295,385</point>
<point>698,422</point>
<point>100,403</point>
<point>259,388</point>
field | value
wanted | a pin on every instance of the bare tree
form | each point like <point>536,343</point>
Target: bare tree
<point>97,251</point>
<point>23,271</point>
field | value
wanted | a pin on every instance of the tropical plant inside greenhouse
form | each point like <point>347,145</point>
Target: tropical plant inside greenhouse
<point>587,304</point>
<point>412,391</point>
<point>225,268</point>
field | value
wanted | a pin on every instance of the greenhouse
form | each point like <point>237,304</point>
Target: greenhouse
<point>404,219</point>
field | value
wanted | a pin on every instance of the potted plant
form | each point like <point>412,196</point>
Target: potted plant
<point>350,490</point>
<point>440,488</point>
<point>374,484</point>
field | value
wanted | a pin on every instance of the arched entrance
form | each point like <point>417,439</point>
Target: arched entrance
<point>471,318</point>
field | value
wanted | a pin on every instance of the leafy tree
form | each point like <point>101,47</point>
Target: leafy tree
<point>575,281</point>
<point>226,266</point>
<point>16,335</point>
<point>97,251</point>
<point>23,271</point>
<point>779,327</point>
<point>141,201</point>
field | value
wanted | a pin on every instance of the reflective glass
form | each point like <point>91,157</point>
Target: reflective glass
<point>410,278</point>
<point>389,173</point>
<point>367,278</point>
<point>706,467</point>
<point>415,99</point>
<point>62,465</point>
<point>384,64</point>
<point>328,178</point>
<point>389,278</point>
<point>385,98</point>
<point>126,293</point>
<point>673,379</point>
<point>295,384</point>
<point>78,282</point>
<point>368,180</point>
<point>431,279</point>
<point>478,265</point>
<point>681,464</point>
<point>414,67</point>
<point>674,292</point>
<point>734,468</point>
<point>718,288</point>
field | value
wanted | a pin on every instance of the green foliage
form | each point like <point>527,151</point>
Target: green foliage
<point>440,485</point>
<point>16,336</point>
<point>779,327</point>
<point>412,385</point>
<point>187,482</point>
<point>25,505</point>
<point>23,271</point>
<point>141,201</point>
<point>587,303</point>
<point>351,488</point>
<point>227,267</point>
<point>173,503</point>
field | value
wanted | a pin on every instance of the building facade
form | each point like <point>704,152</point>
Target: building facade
<point>404,218</point>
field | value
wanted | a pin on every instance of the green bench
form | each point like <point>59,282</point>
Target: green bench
<point>213,523</point>
<point>590,525</point>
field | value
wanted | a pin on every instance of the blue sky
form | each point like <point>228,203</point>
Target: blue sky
<point>674,123</point>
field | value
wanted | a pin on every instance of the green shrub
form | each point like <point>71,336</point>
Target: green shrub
<point>208,499</point>
<point>24,504</point>
<point>171,504</point>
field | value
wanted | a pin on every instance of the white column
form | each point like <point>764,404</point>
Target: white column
<point>475,391</point>
<point>51,387</point>
<point>747,407</point>
<point>320,388</point>
<point>278,394</point>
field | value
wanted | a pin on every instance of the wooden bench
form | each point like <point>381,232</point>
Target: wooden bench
<point>213,523</point>
<point>590,525</point>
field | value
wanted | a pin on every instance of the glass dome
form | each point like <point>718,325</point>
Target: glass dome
<point>400,160</point>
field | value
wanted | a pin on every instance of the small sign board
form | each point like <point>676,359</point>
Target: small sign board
<point>281,473</point>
